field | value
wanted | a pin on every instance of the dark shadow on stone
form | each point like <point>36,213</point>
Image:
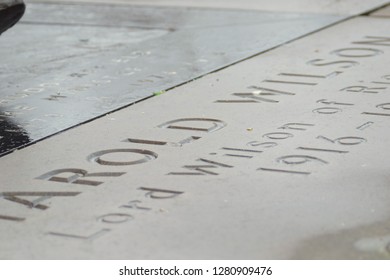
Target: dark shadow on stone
<point>10,16</point>
<point>11,136</point>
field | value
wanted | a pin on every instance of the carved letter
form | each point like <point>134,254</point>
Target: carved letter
<point>212,125</point>
<point>97,157</point>
<point>378,41</point>
<point>77,176</point>
<point>160,193</point>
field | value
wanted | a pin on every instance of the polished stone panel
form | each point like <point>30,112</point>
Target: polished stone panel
<point>67,64</point>
<point>284,155</point>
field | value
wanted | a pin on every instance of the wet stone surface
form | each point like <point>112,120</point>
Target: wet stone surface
<point>63,65</point>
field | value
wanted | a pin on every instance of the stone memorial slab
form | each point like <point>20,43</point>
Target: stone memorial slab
<point>67,64</point>
<point>344,7</point>
<point>281,156</point>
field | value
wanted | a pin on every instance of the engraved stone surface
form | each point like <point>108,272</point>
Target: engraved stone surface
<point>318,6</point>
<point>67,64</point>
<point>282,156</point>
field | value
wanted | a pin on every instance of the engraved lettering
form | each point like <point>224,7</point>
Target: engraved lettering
<point>160,193</point>
<point>365,125</point>
<point>12,218</point>
<point>386,77</point>
<point>258,95</point>
<point>363,89</point>
<point>278,135</point>
<point>239,156</point>
<point>291,82</point>
<point>77,176</point>
<point>163,143</point>
<point>242,150</point>
<point>327,110</point>
<point>216,163</point>
<point>345,63</point>
<point>332,74</point>
<point>267,91</point>
<point>376,40</point>
<point>98,157</point>
<point>134,205</point>
<point>380,83</point>
<point>263,144</point>
<point>296,126</point>
<point>376,114</point>
<point>348,140</point>
<point>327,102</point>
<point>384,106</point>
<point>299,159</point>
<point>216,124</point>
<point>322,150</point>
<point>357,52</point>
<point>147,142</point>
<point>16,197</point>
<point>305,76</point>
<point>284,171</point>
<point>202,169</point>
<point>185,141</point>
<point>115,218</point>
<point>253,97</point>
<point>90,237</point>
